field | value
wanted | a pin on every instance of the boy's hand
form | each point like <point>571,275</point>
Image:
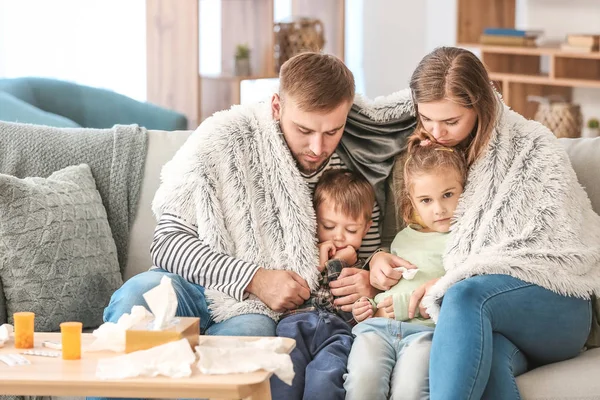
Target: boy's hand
<point>386,308</point>
<point>362,309</point>
<point>326,251</point>
<point>347,254</point>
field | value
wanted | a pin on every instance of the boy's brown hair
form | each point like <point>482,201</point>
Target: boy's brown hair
<point>427,159</point>
<point>349,191</point>
<point>317,82</point>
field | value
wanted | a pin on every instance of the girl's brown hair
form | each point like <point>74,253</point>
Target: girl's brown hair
<point>457,75</point>
<point>424,160</point>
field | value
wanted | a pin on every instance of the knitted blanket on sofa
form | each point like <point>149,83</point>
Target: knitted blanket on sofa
<point>116,157</point>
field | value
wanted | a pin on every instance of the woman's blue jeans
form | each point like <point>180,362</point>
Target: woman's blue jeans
<point>492,328</point>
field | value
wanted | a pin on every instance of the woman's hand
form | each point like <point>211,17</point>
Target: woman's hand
<point>383,276</point>
<point>417,296</point>
<point>386,308</point>
<point>362,309</point>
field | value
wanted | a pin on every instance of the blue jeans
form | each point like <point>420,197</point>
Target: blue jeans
<point>323,342</point>
<point>191,303</point>
<point>492,328</point>
<point>389,360</point>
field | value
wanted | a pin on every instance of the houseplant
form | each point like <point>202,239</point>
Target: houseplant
<point>242,60</point>
<point>593,128</point>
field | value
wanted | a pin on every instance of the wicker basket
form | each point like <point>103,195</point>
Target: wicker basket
<point>563,119</point>
<point>295,36</point>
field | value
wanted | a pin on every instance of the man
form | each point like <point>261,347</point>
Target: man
<point>237,231</point>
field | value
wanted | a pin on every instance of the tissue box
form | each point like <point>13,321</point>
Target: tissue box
<point>142,336</point>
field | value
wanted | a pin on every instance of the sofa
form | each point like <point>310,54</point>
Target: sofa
<point>572,379</point>
<point>53,102</point>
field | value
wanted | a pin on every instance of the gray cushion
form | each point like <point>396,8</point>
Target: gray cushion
<point>57,255</point>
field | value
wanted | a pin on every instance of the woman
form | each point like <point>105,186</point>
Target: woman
<point>523,258</point>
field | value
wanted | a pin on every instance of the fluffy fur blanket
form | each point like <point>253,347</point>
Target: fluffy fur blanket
<point>237,180</point>
<point>523,213</point>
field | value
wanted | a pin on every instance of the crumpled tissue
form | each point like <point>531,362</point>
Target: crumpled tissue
<point>111,336</point>
<point>162,301</point>
<point>173,359</point>
<point>241,356</point>
<point>5,331</point>
<point>407,274</point>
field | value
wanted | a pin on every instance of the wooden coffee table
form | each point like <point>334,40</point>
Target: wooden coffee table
<point>47,376</point>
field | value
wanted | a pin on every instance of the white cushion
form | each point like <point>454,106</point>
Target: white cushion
<point>161,148</point>
<point>575,379</point>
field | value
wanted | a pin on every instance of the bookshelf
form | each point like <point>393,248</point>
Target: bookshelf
<point>173,49</point>
<point>517,71</point>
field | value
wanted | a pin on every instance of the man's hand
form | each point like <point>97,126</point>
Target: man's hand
<point>383,276</point>
<point>279,290</point>
<point>347,254</point>
<point>417,295</point>
<point>362,309</point>
<point>351,285</point>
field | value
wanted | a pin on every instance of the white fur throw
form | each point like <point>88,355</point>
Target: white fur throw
<point>523,213</point>
<point>236,179</point>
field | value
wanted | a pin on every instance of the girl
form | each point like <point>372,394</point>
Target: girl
<point>524,257</point>
<point>392,357</point>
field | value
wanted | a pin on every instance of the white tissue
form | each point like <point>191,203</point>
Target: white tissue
<point>173,359</point>
<point>162,301</point>
<point>241,356</point>
<point>111,336</point>
<point>5,331</point>
<point>407,274</point>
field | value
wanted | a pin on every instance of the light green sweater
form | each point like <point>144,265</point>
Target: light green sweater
<point>424,250</point>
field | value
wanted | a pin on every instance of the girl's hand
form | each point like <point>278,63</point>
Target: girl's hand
<point>383,276</point>
<point>326,251</point>
<point>386,308</point>
<point>417,296</point>
<point>362,309</point>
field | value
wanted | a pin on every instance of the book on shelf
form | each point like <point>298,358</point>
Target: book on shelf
<point>498,40</point>
<point>512,32</point>
<point>584,40</point>
<point>576,49</point>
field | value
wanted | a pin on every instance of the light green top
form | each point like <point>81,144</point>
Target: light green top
<point>424,250</point>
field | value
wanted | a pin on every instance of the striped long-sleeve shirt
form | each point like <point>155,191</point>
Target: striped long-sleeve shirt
<point>178,249</point>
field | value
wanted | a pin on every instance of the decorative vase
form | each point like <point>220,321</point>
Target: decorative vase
<point>242,67</point>
<point>591,132</point>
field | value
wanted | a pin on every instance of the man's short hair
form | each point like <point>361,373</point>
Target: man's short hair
<point>349,192</point>
<point>317,82</point>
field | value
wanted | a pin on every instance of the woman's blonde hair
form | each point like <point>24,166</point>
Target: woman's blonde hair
<point>426,160</point>
<point>457,75</point>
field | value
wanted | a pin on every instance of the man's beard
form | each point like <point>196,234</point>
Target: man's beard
<point>308,167</point>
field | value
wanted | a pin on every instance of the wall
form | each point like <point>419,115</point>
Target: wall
<point>93,42</point>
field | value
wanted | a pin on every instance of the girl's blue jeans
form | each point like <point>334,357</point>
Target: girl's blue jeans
<point>492,328</point>
<point>389,360</point>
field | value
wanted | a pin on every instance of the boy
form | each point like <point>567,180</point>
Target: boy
<point>343,202</point>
